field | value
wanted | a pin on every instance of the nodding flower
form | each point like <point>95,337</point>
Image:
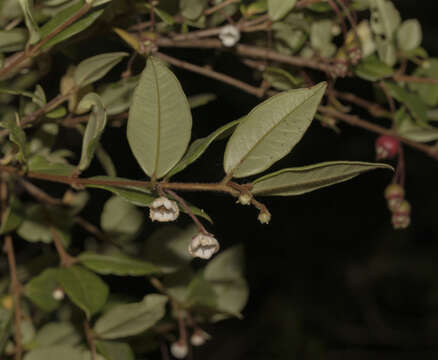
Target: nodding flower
<point>203,246</point>
<point>164,210</point>
<point>179,349</point>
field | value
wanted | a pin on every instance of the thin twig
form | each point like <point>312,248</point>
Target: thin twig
<point>356,121</point>
<point>415,79</point>
<point>213,74</point>
<point>90,339</point>
<point>39,194</point>
<point>8,248</point>
<point>188,211</point>
<point>66,259</point>
<point>220,6</point>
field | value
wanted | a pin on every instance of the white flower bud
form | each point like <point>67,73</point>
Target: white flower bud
<point>58,294</point>
<point>229,35</point>
<point>203,246</point>
<point>245,199</point>
<point>198,338</point>
<point>264,217</point>
<point>164,210</point>
<point>179,350</point>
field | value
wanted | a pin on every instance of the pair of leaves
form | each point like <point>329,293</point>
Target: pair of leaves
<point>32,26</point>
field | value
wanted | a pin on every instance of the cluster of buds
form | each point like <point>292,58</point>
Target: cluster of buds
<point>203,246</point>
<point>387,147</point>
<point>339,69</point>
<point>355,55</point>
<point>229,35</point>
<point>164,210</point>
<point>400,208</point>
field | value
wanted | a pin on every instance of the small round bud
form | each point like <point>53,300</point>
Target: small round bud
<point>355,55</point>
<point>264,217</point>
<point>7,302</point>
<point>229,35</point>
<point>58,294</point>
<point>179,350</point>
<point>387,147</point>
<point>335,30</point>
<point>339,69</point>
<point>245,199</point>
<point>198,338</point>
<point>162,209</point>
<point>203,246</point>
<point>394,194</point>
<point>401,217</point>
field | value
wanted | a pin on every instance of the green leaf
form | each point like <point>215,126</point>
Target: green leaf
<point>385,18</point>
<point>32,26</point>
<point>200,293</point>
<point>135,195</point>
<point>200,100</point>
<point>41,164</point>
<point>271,130</point>
<point>92,69</point>
<point>113,350</point>
<point>228,265</point>
<point>231,297</point>
<point>167,247</point>
<point>105,161</point>
<point>120,217</point>
<point>13,40</point>
<point>387,51</point>
<point>138,196</point>
<point>84,288</point>
<point>63,352</point>
<point>281,79</point>
<point>131,319</point>
<point>160,122</point>
<point>192,9</point>
<point>13,216</point>
<point>427,92</point>
<point>225,273</point>
<point>167,18</point>
<point>116,97</point>
<point>6,319</point>
<point>198,147</point>
<point>57,333</point>
<point>63,16</point>
<point>417,132</point>
<point>17,136</point>
<point>95,127</point>
<point>57,113</point>
<point>40,289</point>
<point>277,9</point>
<point>412,101</point>
<point>35,227</point>
<point>372,69</point>
<point>117,265</point>
<point>321,37</point>
<point>409,35</point>
<point>300,180</point>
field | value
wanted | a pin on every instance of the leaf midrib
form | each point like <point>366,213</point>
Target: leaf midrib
<point>269,132</point>
<point>157,149</point>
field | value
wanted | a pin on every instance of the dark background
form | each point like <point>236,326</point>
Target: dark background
<point>329,277</point>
